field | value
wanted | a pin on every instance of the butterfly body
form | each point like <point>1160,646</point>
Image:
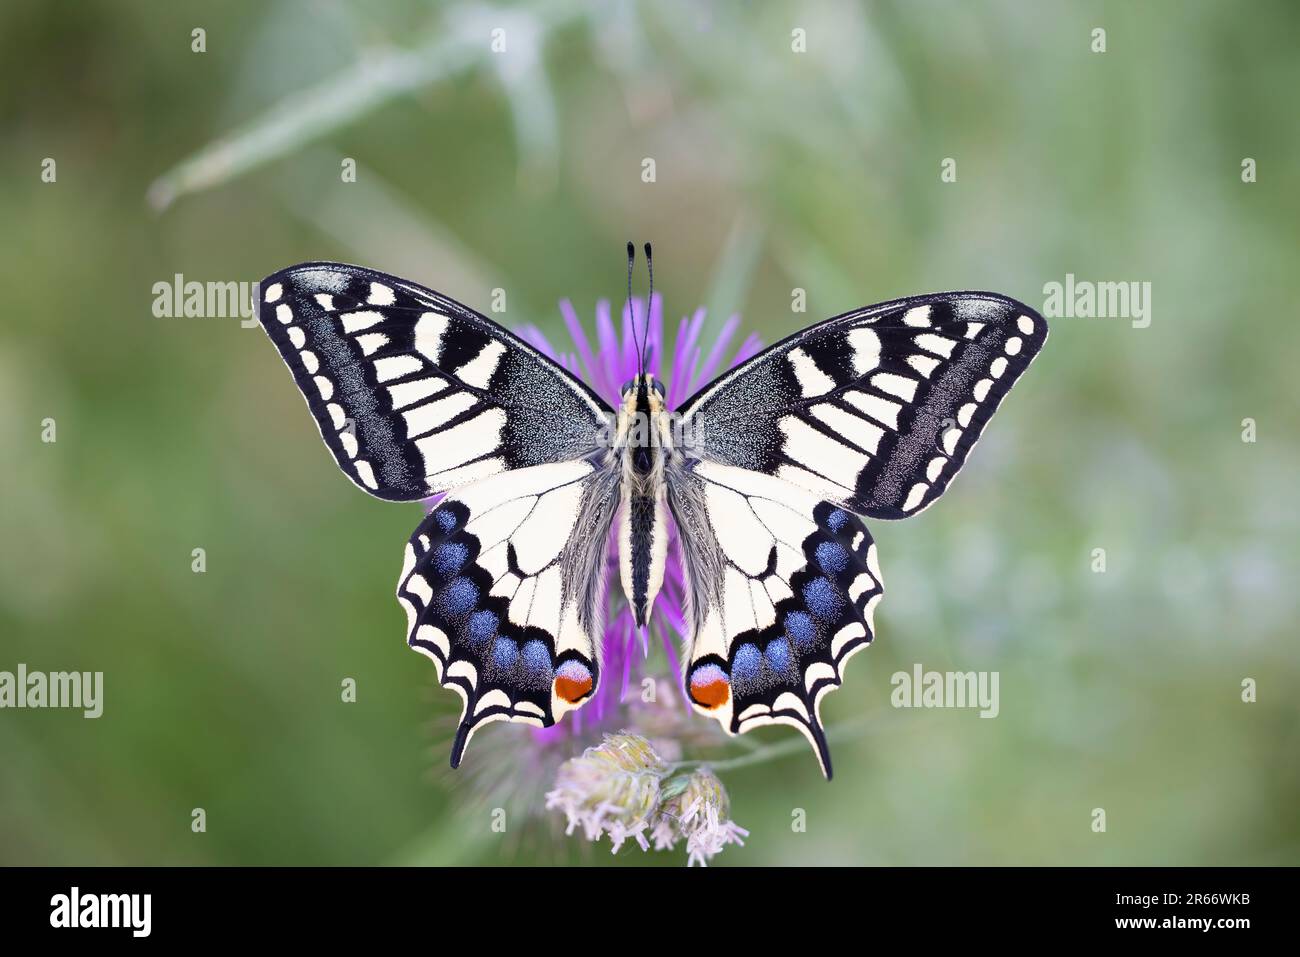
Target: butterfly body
<point>765,475</point>
<point>644,446</point>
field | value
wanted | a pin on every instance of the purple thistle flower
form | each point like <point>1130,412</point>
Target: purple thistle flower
<point>605,367</point>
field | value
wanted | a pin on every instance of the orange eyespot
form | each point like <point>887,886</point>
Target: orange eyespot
<point>710,687</point>
<point>573,681</point>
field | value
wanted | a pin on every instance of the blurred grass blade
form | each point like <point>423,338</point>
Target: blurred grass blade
<point>734,273</point>
<point>380,225</point>
<point>374,79</point>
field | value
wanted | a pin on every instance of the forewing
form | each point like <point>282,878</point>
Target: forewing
<point>415,393</point>
<point>876,410</point>
<point>782,588</point>
<point>503,584</point>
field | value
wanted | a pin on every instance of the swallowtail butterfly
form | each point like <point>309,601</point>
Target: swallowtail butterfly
<point>767,473</point>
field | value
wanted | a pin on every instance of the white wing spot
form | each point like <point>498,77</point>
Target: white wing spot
<point>846,634</point>
<point>297,337</point>
<point>478,372</point>
<point>349,442</point>
<point>898,385</point>
<point>381,295</point>
<point>812,381</point>
<point>284,313</point>
<point>964,414</point>
<point>998,366</point>
<point>336,414</point>
<point>356,321</point>
<point>913,499</point>
<point>409,393</point>
<point>366,473</point>
<point>982,389</point>
<point>436,637</point>
<point>922,364</point>
<point>428,335</point>
<point>862,584</point>
<point>371,341</point>
<point>273,292</point>
<point>460,668</point>
<point>394,367</point>
<point>920,316</point>
<point>1013,346</point>
<point>418,586</point>
<point>1025,324</point>
<point>309,361</point>
<point>325,386</point>
<point>873,562</point>
<point>939,345</point>
<point>866,350</point>
<point>325,301</point>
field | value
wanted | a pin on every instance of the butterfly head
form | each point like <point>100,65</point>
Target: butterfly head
<point>642,384</point>
<point>643,400</point>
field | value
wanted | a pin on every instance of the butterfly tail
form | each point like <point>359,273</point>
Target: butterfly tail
<point>823,748</point>
<point>463,732</point>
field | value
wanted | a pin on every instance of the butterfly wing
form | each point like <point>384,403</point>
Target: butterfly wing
<point>872,412</point>
<point>876,410</point>
<point>782,587</point>
<point>415,393</point>
<point>503,584</point>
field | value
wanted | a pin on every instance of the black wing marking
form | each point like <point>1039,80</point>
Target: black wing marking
<point>415,393</point>
<point>876,410</point>
<point>783,587</point>
<point>503,584</point>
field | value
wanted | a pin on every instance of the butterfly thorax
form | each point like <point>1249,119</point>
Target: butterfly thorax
<point>643,442</point>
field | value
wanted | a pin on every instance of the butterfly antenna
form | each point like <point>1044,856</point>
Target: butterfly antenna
<point>649,298</point>
<point>631,306</point>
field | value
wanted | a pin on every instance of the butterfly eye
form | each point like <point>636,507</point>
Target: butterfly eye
<point>627,386</point>
<point>658,387</point>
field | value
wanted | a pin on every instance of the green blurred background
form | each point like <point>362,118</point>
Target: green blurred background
<point>775,170</point>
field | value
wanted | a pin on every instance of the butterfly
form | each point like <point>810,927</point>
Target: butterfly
<point>767,473</point>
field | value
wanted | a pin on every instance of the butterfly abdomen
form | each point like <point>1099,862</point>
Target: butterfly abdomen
<point>643,540</point>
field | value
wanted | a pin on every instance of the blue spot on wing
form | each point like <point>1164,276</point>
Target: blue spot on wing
<point>747,665</point>
<point>458,598</point>
<point>779,657</point>
<point>823,599</point>
<point>536,658</point>
<point>837,519</point>
<point>800,629</point>
<point>504,653</point>
<point>832,557</point>
<point>482,627</point>
<point>449,558</point>
<point>445,518</point>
